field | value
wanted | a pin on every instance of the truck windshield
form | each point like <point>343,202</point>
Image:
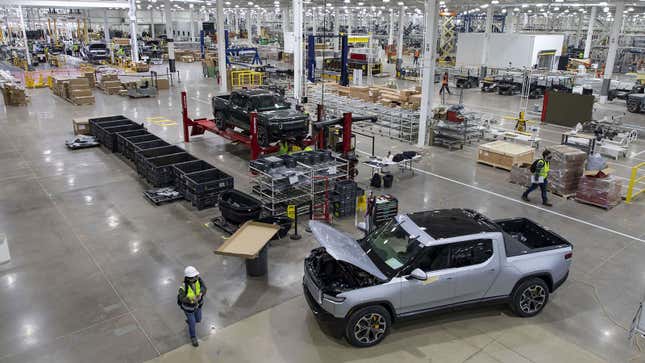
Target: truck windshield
<point>267,102</point>
<point>391,247</point>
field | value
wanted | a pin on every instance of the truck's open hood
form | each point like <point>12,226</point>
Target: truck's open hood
<point>343,247</point>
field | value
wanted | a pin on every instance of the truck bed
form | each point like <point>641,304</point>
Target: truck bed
<point>522,236</point>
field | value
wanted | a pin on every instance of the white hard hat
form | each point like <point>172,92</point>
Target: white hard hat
<point>190,271</point>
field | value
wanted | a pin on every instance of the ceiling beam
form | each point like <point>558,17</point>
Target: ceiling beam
<point>86,4</point>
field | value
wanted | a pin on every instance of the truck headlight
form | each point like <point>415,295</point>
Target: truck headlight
<point>334,299</point>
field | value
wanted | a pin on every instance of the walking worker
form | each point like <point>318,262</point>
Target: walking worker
<point>540,169</point>
<point>190,299</point>
<point>444,84</point>
<point>416,56</point>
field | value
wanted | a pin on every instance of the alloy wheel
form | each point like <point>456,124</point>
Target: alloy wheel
<point>532,299</point>
<point>370,328</point>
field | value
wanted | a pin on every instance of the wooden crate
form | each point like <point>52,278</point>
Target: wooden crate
<point>504,154</point>
<point>81,126</point>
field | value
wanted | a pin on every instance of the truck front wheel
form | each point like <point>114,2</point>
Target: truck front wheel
<point>263,136</point>
<point>530,297</point>
<point>368,326</point>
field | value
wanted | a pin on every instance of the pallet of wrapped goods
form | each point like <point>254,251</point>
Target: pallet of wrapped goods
<point>521,174</point>
<point>504,154</point>
<point>600,190</point>
<point>188,58</point>
<point>14,95</point>
<point>79,91</point>
<point>111,87</point>
<point>141,67</point>
<point>566,168</point>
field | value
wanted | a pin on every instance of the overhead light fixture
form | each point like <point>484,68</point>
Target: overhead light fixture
<point>604,3</point>
<point>227,3</point>
<point>516,9</point>
<point>559,1</point>
<point>630,9</point>
<point>484,6</point>
<point>250,3</point>
<point>525,5</point>
<point>400,3</point>
<point>503,11</point>
<point>605,9</point>
<point>556,8</point>
<point>495,2</point>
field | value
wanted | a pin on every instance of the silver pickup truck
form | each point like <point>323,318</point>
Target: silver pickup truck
<point>428,261</point>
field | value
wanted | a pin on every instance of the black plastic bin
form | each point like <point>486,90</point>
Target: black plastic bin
<point>159,171</point>
<point>99,128</point>
<point>144,145</point>
<point>141,156</point>
<point>122,138</point>
<point>238,207</point>
<point>96,121</point>
<point>387,180</point>
<point>190,167</point>
<point>213,180</point>
<point>109,134</point>
<point>200,201</point>
<point>130,142</point>
<point>258,266</point>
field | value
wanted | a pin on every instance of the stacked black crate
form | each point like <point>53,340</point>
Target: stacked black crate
<point>189,167</point>
<point>343,199</point>
<point>204,187</point>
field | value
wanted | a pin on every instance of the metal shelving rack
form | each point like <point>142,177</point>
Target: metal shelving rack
<point>305,186</point>
<point>275,192</point>
<point>396,123</point>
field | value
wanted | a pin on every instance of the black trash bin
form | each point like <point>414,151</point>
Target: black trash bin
<point>387,180</point>
<point>260,265</point>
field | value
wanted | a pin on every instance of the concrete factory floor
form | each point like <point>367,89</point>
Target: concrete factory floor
<point>95,268</point>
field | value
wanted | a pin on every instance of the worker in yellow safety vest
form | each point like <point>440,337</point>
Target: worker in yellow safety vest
<point>284,147</point>
<point>120,52</point>
<point>190,299</point>
<point>540,172</point>
<point>299,145</point>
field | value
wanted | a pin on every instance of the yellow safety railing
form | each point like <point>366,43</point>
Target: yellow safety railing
<point>246,78</point>
<point>633,180</point>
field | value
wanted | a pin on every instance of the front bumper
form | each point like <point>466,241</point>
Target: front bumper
<point>328,323</point>
<point>278,133</point>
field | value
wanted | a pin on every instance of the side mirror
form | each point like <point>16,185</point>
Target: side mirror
<point>418,274</point>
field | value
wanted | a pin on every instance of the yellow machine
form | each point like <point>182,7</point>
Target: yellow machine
<point>520,122</point>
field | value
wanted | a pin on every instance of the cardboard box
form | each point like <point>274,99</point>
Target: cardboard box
<point>163,84</point>
<point>80,92</point>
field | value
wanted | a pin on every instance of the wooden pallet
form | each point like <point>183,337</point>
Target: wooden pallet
<point>504,167</point>
<point>565,196</point>
<point>605,207</point>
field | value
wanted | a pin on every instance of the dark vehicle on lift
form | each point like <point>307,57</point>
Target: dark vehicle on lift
<point>636,102</point>
<point>276,120</point>
<point>429,261</point>
<point>95,52</point>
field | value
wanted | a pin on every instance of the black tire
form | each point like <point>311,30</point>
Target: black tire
<point>365,326</point>
<point>263,136</point>
<point>530,297</point>
<point>633,107</point>
<point>219,120</point>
